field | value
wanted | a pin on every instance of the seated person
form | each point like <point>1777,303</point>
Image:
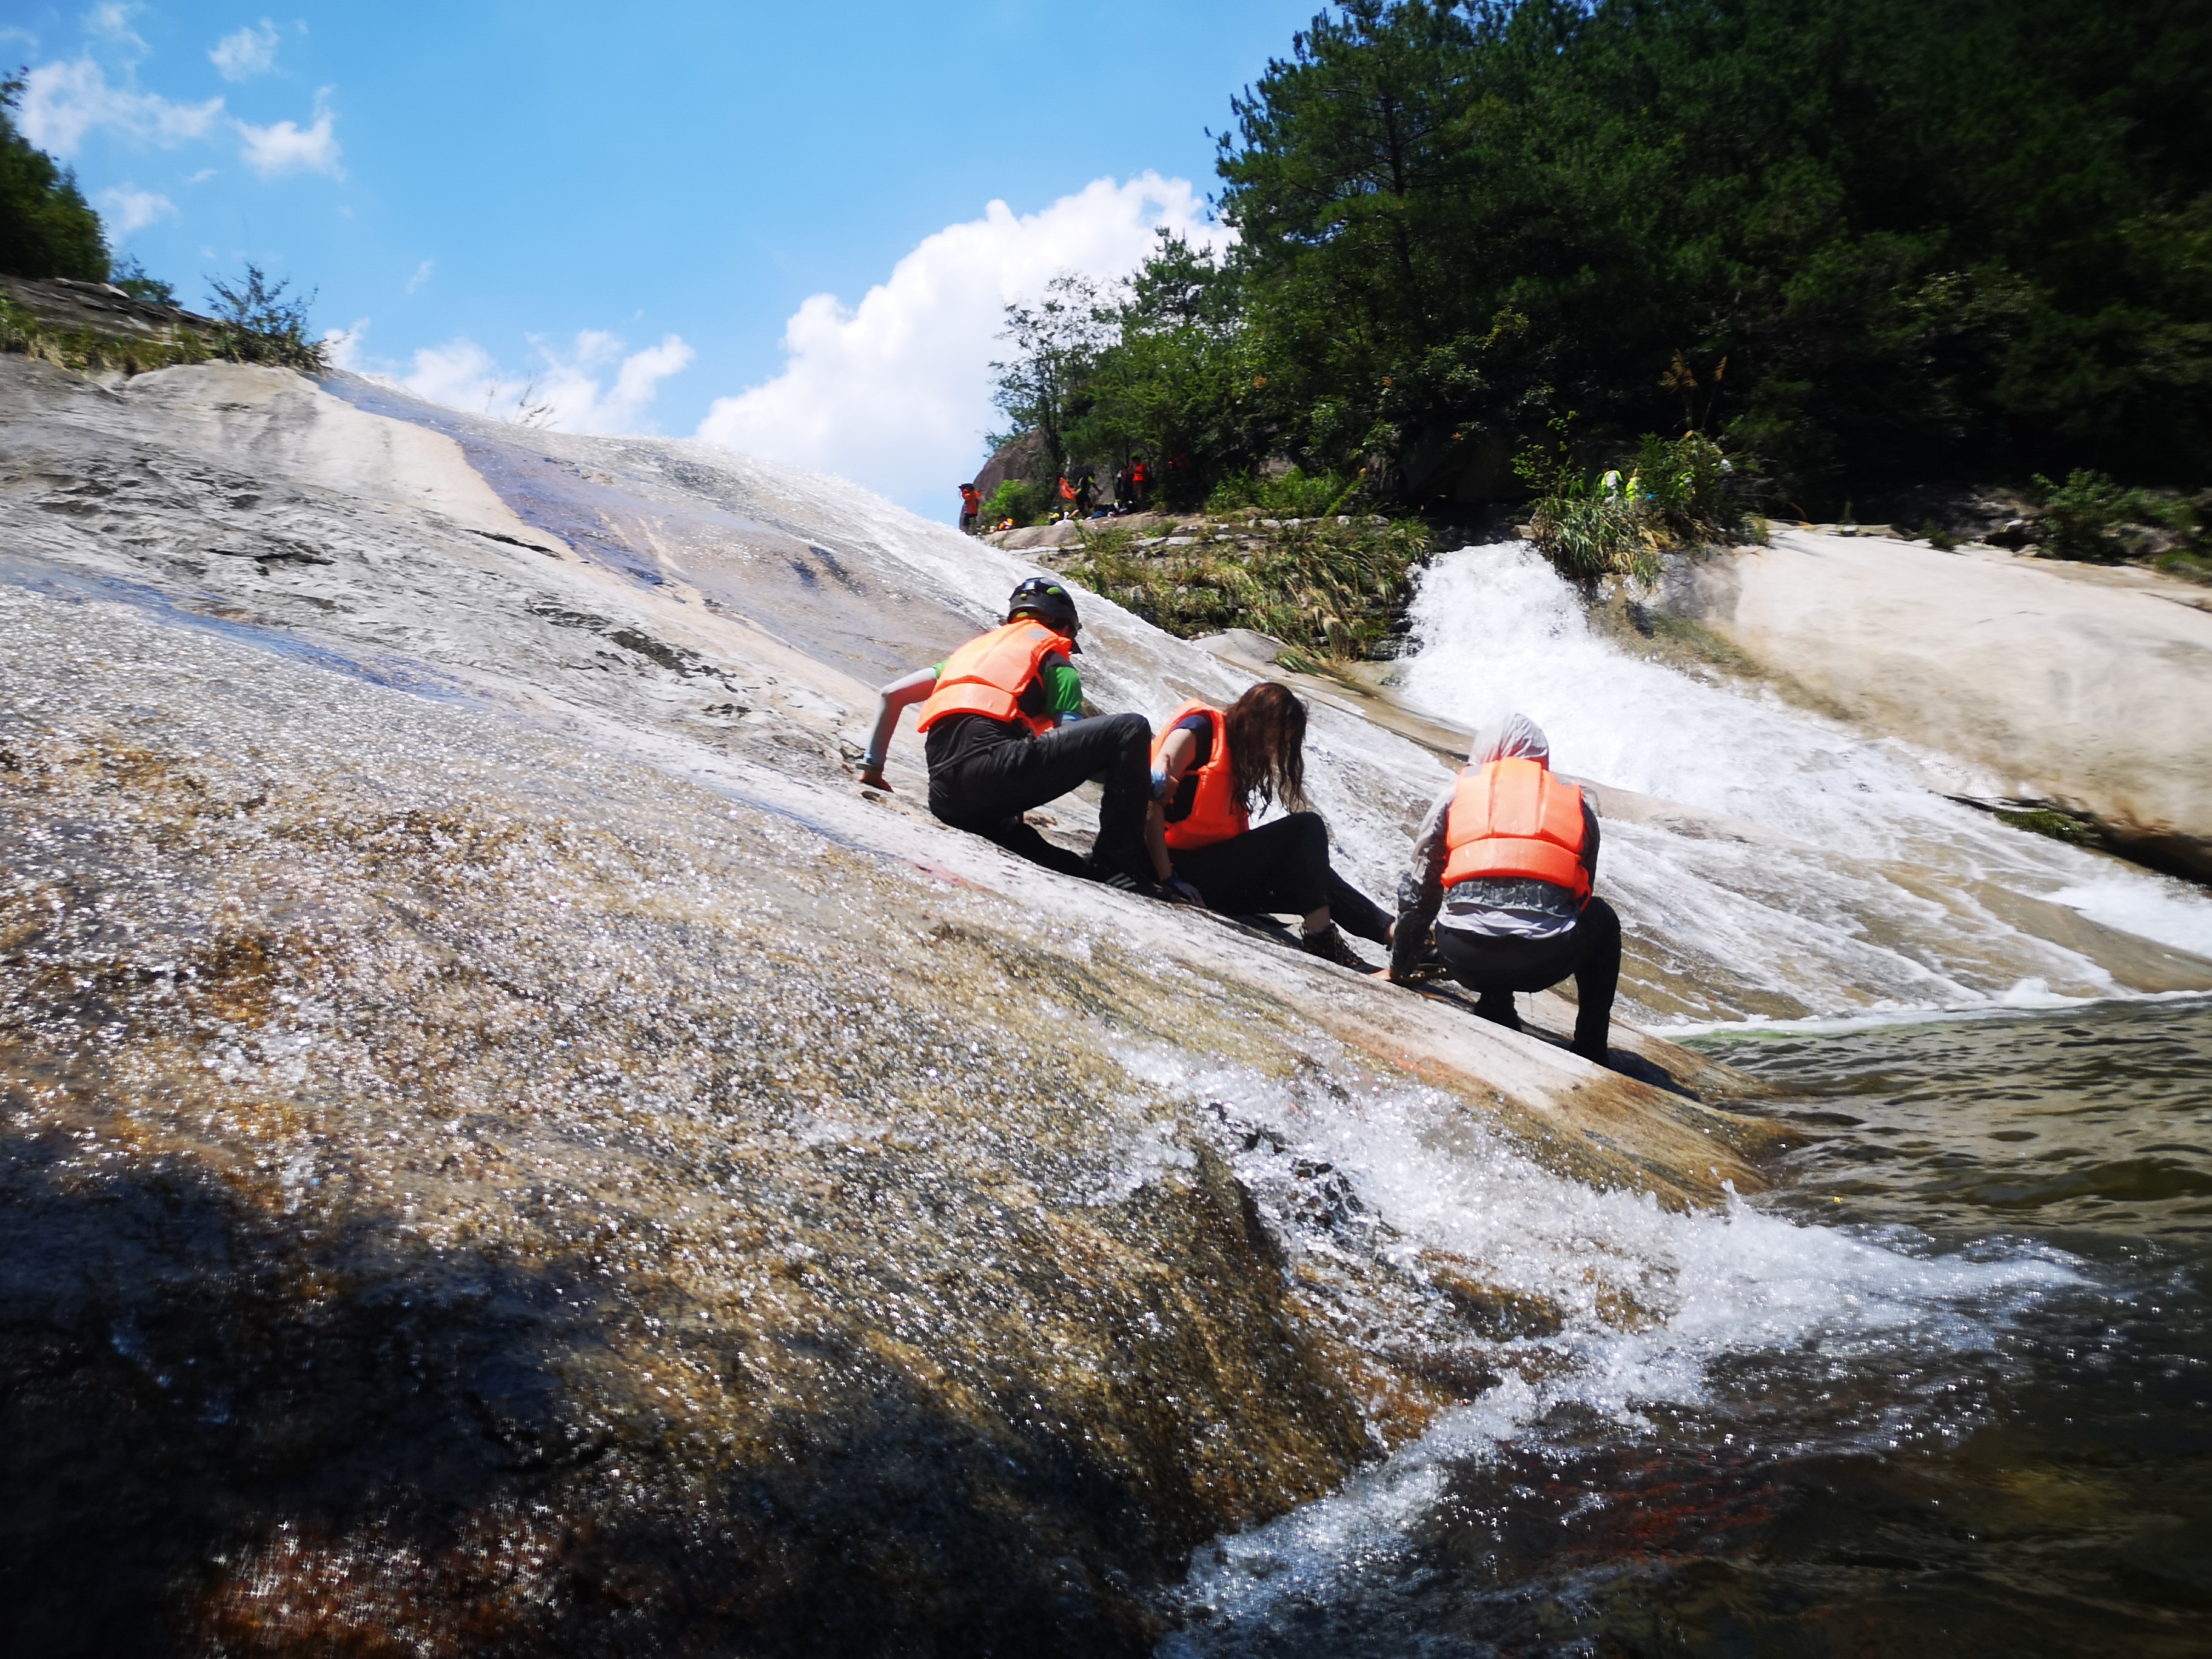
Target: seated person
<point>1002,721</point>
<point>1503,866</point>
<point>1211,769</point>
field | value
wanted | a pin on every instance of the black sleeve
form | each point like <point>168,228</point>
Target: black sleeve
<point>1589,839</point>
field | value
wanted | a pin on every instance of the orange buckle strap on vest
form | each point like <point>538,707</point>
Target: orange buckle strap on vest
<point>1216,815</point>
<point>987,676</point>
<point>1512,818</point>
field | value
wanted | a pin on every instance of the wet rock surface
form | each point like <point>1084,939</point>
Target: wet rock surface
<point>507,1151</point>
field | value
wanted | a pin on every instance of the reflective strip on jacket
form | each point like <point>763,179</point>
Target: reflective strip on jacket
<point>1215,812</point>
<point>987,676</point>
<point>1512,818</point>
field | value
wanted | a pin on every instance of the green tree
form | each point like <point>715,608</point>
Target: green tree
<point>1056,342</point>
<point>46,229</point>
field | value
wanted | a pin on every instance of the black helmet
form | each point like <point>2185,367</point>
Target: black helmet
<point>1048,601</point>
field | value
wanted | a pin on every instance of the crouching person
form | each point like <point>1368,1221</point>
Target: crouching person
<point>1212,769</point>
<point>1003,732</point>
<point>1503,866</point>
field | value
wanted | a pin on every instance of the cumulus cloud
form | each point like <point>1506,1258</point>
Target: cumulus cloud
<point>896,392</point>
<point>246,53</point>
<point>566,390</point>
<point>285,146</point>
<point>62,102</point>
<point>127,209</point>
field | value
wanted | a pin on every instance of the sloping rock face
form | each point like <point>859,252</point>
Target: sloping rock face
<point>2076,686</point>
<point>507,1150</point>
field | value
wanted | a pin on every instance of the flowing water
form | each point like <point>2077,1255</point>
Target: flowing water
<point>507,1151</point>
<point>1947,1388</point>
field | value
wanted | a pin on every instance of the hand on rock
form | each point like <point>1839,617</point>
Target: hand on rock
<point>1180,891</point>
<point>872,777</point>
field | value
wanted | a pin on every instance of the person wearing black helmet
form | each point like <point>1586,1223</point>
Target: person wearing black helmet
<point>1003,732</point>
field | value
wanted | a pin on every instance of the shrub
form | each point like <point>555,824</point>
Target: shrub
<point>1294,494</point>
<point>1331,591</point>
<point>1016,499</point>
<point>1677,493</point>
<point>2082,518</point>
<point>256,323</point>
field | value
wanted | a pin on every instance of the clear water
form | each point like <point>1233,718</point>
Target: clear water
<point>2014,1456</point>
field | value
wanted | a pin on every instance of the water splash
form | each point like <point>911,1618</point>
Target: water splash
<point>1815,875</point>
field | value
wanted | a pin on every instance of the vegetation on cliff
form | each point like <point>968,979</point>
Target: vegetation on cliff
<point>1330,587</point>
<point>46,227</point>
<point>1859,242</point>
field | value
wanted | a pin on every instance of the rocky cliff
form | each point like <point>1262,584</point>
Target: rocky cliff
<point>2024,682</point>
<point>507,1149</point>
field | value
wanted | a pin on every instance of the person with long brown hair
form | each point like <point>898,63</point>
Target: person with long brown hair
<point>1212,769</point>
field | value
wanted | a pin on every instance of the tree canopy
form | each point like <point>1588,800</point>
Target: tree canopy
<point>1863,241</point>
<point>46,227</point>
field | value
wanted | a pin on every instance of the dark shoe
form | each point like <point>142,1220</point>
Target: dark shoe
<point>1429,969</point>
<point>1498,1007</point>
<point>1330,945</point>
<point>1123,882</point>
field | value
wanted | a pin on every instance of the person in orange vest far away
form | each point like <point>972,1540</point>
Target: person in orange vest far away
<point>1212,767</point>
<point>1141,476</point>
<point>1503,866</point>
<point>1003,731</point>
<point>972,504</point>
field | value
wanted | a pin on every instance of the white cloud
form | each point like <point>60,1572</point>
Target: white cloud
<point>62,102</point>
<point>201,177</point>
<point>565,391</point>
<point>346,348</point>
<point>112,22</point>
<point>422,274</point>
<point>896,392</point>
<point>247,53</point>
<point>272,151</point>
<point>127,209</point>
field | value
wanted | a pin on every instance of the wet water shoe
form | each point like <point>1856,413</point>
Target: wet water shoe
<point>1330,945</point>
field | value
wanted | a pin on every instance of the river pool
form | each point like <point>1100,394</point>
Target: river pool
<point>2027,1472</point>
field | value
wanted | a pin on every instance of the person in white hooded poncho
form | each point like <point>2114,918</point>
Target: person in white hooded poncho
<point>1502,933</point>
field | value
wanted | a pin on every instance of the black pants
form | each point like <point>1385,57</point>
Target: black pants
<point>1590,951</point>
<point>987,791</point>
<point>1280,867</point>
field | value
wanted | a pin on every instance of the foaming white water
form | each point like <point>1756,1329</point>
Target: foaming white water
<point>1654,1300</point>
<point>1816,875</point>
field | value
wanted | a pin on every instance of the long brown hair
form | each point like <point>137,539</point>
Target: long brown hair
<point>1267,733</point>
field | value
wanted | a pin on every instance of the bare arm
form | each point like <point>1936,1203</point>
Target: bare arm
<point>1167,773</point>
<point>892,700</point>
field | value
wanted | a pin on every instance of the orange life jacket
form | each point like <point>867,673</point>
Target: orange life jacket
<point>1512,818</point>
<point>1215,812</point>
<point>971,499</point>
<point>988,674</point>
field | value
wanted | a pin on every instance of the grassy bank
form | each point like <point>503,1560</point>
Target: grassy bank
<point>1331,588</point>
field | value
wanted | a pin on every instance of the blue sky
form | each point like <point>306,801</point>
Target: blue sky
<point>774,219</point>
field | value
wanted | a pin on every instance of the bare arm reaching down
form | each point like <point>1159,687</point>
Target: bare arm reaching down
<point>892,700</point>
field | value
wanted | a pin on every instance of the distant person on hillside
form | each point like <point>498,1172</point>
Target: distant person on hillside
<point>1503,866</point>
<point>1003,729</point>
<point>1086,493</point>
<point>1124,491</point>
<point>1140,478</point>
<point>1212,768</point>
<point>971,506</point>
